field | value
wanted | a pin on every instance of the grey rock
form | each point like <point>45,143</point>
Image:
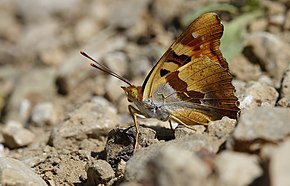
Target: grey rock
<point>92,118</point>
<point>10,29</point>
<point>285,86</point>
<point>243,70</point>
<point>258,94</point>
<point>120,143</point>
<point>279,165</point>
<point>99,172</point>
<point>272,52</point>
<point>287,20</point>
<point>173,8</point>
<point>36,11</point>
<point>14,172</point>
<point>261,124</point>
<point>182,131</point>
<point>194,143</point>
<point>236,169</point>
<point>124,17</point>
<point>16,136</point>
<point>68,76</point>
<point>26,94</point>
<point>284,102</point>
<point>175,166</point>
<point>221,129</point>
<point>43,113</point>
<point>117,62</point>
<point>113,89</point>
<point>130,184</point>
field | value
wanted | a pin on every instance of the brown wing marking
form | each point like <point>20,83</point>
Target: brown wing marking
<point>206,84</point>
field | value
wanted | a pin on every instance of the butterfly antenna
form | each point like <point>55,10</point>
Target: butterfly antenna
<point>105,69</point>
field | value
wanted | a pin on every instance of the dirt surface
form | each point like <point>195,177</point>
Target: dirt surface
<point>66,123</point>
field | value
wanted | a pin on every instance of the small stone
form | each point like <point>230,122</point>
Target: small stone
<point>236,168</point>
<point>279,164</point>
<point>99,172</point>
<point>130,184</point>
<point>284,102</point>
<point>52,55</point>
<point>287,21</point>
<point>117,62</point>
<point>243,69</point>
<point>121,168</point>
<point>258,94</point>
<point>277,19</point>
<point>259,125</point>
<point>221,128</point>
<point>166,168</point>
<point>14,172</point>
<point>43,113</point>
<point>194,143</point>
<point>173,8</point>
<point>26,94</point>
<point>113,89</point>
<point>10,29</point>
<point>16,136</point>
<point>120,143</point>
<point>285,86</point>
<point>68,76</point>
<point>124,17</point>
<point>260,24</point>
<point>182,131</point>
<point>94,118</point>
<point>272,53</point>
<point>274,7</point>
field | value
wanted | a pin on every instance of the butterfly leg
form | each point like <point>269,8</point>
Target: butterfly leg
<point>134,112</point>
<point>180,122</point>
<point>170,124</point>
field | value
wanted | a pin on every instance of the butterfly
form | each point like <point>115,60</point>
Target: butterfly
<point>190,84</point>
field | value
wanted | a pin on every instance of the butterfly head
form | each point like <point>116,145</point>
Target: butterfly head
<point>133,93</point>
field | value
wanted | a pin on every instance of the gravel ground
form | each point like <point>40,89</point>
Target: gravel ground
<point>65,123</point>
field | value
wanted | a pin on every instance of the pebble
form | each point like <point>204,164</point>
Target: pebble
<point>68,75</point>
<point>257,94</point>
<point>15,136</point>
<point>117,62</point>
<point>175,166</point>
<point>43,113</point>
<point>124,17</point>
<point>285,86</point>
<point>237,169</point>
<point>272,53</point>
<point>99,172</point>
<point>279,167</point>
<point>135,167</point>
<point>254,124</point>
<point>113,89</point>
<point>26,94</point>
<point>93,118</point>
<point>14,172</point>
<point>243,70</point>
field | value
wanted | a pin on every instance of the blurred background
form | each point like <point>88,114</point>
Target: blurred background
<point>41,40</point>
<point>43,77</point>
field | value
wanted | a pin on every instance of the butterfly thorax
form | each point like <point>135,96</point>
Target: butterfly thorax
<point>146,106</point>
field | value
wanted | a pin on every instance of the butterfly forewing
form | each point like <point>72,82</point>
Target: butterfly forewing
<point>202,37</point>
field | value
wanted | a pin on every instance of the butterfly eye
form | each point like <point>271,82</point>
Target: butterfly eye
<point>133,93</point>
